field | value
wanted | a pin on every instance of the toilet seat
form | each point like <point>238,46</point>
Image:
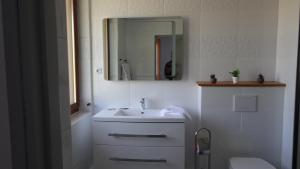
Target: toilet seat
<point>249,163</point>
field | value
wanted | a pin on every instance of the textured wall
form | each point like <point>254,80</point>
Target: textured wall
<point>243,134</point>
<point>218,36</point>
<point>238,33</point>
<point>287,48</point>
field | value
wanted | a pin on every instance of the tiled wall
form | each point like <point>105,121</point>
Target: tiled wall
<point>287,48</point>
<point>243,134</point>
<point>219,35</point>
<point>82,141</point>
<point>216,40</point>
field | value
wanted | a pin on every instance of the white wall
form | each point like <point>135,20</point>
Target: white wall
<point>82,141</point>
<point>85,54</point>
<point>81,137</point>
<point>238,33</point>
<point>286,64</point>
<point>243,134</point>
<point>218,36</point>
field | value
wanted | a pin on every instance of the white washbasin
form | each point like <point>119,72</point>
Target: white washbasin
<point>136,115</point>
<point>139,113</point>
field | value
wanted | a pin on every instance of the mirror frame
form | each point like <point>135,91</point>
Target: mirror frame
<point>106,66</point>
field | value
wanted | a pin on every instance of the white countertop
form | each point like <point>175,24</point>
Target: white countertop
<point>136,115</point>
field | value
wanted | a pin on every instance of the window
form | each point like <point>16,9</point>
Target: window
<point>71,11</point>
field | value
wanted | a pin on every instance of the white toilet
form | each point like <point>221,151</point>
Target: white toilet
<point>249,163</point>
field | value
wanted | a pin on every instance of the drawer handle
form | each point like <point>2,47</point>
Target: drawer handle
<point>137,135</point>
<point>138,160</point>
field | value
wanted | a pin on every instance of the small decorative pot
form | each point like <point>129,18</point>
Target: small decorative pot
<point>260,78</point>
<point>235,80</point>
<point>213,78</point>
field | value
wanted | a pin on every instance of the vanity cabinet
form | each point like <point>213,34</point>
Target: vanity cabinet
<point>136,145</point>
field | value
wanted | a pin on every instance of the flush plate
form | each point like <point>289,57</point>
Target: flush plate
<point>245,103</point>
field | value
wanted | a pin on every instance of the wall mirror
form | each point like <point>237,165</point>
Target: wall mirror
<point>143,48</point>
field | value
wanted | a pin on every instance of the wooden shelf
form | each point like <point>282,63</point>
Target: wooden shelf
<point>241,84</point>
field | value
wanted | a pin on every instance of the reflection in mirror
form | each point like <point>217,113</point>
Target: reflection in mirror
<point>143,48</point>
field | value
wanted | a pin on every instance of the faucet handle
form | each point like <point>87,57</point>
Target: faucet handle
<point>142,104</point>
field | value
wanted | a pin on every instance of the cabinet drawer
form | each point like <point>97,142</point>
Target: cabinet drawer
<point>128,157</point>
<point>139,134</point>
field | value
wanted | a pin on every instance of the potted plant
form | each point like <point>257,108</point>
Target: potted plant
<point>235,76</point>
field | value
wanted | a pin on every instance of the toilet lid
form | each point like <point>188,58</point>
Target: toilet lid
<point>249,163</point>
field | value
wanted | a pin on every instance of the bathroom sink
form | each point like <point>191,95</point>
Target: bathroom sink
<point>137,115</point>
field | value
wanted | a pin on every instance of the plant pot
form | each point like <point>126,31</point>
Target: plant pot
<point>235,80</point>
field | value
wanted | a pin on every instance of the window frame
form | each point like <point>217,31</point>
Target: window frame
<point>75,106</point>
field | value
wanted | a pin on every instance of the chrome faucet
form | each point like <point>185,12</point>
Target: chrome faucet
<point>142,104</point>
